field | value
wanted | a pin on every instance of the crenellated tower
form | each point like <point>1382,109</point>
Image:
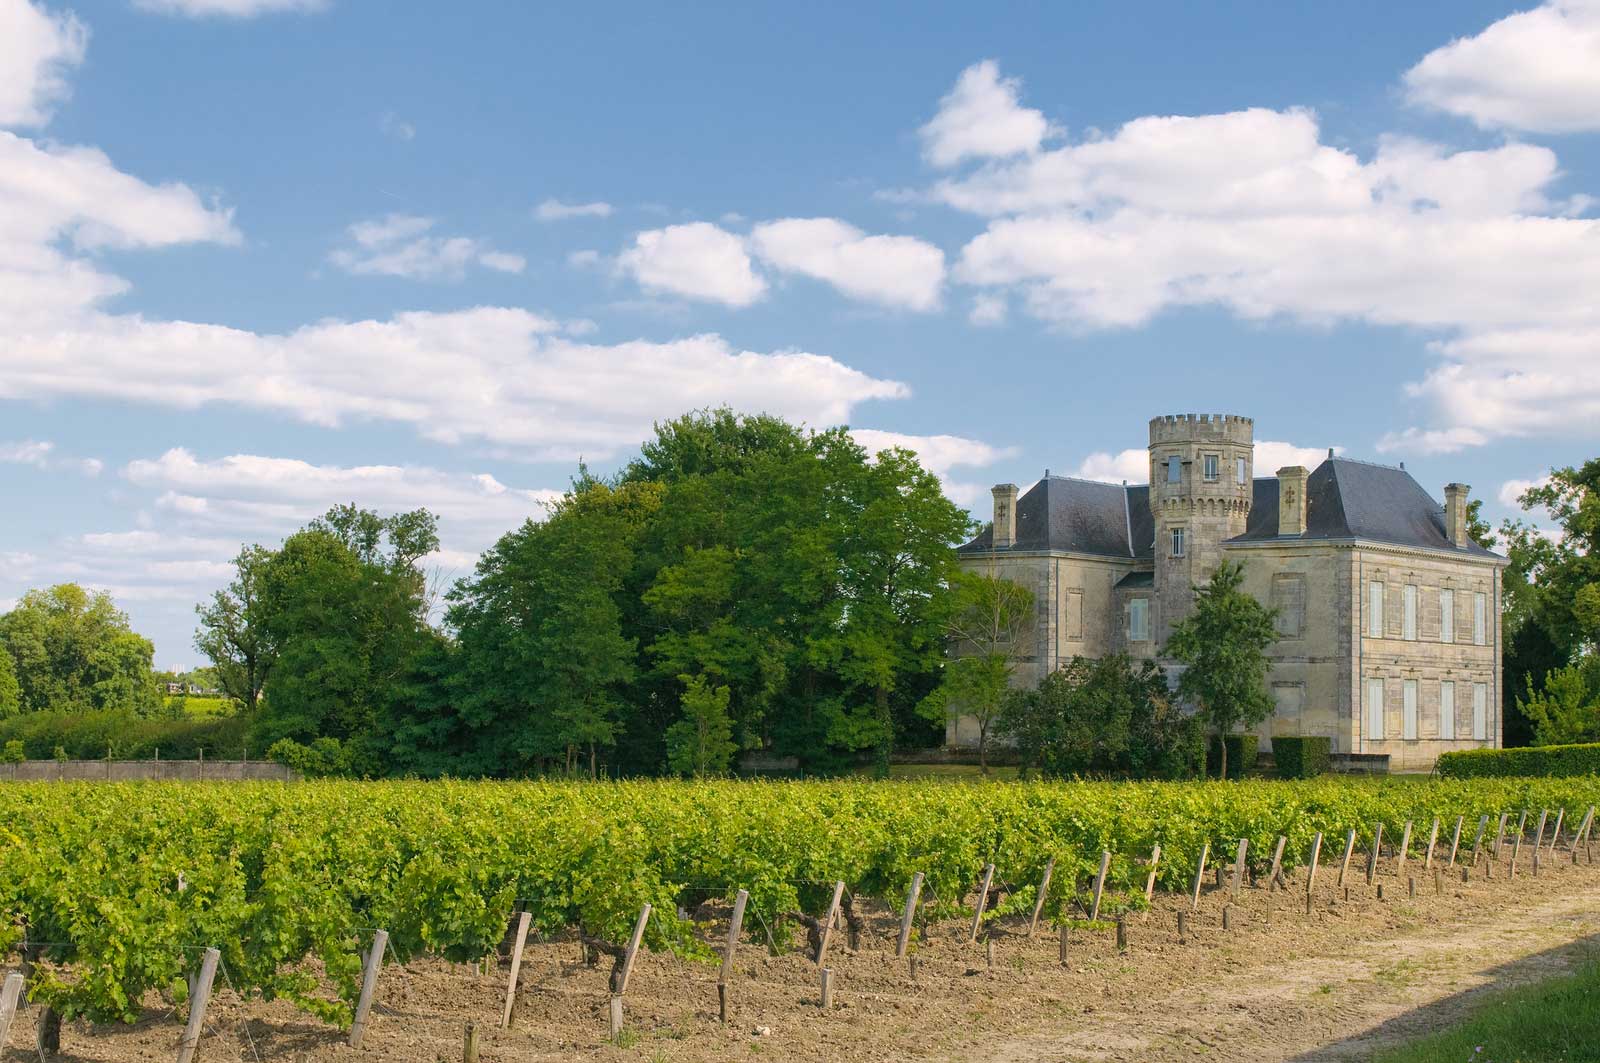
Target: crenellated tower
<point>1200,491</point>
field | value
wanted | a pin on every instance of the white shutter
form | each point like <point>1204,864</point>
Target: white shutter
<point>1447,616</point>
<point>1374,710</point>
<point>1408,599</point>
<point>1409,720</point>
<point>1480,711</point>
<point>1375,610</point>
<point>1480,619</point>
<point>1447,710</point>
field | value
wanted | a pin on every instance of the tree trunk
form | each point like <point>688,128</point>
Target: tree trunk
<point>48,1042</point>
<point>983,748</point>
<point>886,719</point>
<point>1222,754</point>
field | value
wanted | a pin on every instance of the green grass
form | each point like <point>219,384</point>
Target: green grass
<point>206,708</point>
<point>1554,1020</point>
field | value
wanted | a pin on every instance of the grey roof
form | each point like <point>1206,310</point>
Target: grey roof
<point>1137,579</point>
<point>1080,516</point>
<point>1348,499</point>
<point>1345,499</point>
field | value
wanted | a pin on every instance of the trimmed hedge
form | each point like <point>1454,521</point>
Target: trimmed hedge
<point>1242,755</point>
<point>1523,761</point>
<point>1302,756</point>
<point>123,736</point>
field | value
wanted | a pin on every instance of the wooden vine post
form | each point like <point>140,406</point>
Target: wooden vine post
<point>983,900</point>
<point>1499,836</point>
<point>1277,863</point>
<point>197,1006</point>
<point>1150,883</point>
<point>1433,840</point>
<point>911,910</point>
<point>517,946</point>
<point>1477,842</point>
<point>734,924</point>
<point>1455,841</point>
<point>369,985</point>
<point>1405,850</point>
<point>9,996</point>
<point>1044,891</point>
<point>1349,848</point>
<point>1238,869</point>
<point>625,972</point>
<point>1555,833</point>
<point>1311,874</point>
<point>1372,857</point>
<point>1100,884</point>
<point>1199,876</point>
<point>827,923</point>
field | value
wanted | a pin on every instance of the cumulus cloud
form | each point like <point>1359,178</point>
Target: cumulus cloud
<point>982,118</point>
<point>227,8</point>
<point>940,454</point>
<point>1511,492</point>
<point>1252,212</point>
<point>555,210</point>
<point>39,49</point>
<point>1535,70</point>
<point>697,260</point>
<point>895,271</point>
<point>988,309</point>
<point>399,245</point>
<point>1133,464</point>
<point>394,126</point>
<point>42,455</point>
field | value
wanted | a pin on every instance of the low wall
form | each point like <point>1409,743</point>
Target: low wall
<point>129,770</point>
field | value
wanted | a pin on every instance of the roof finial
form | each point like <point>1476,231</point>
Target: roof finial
<point>1330,453</point>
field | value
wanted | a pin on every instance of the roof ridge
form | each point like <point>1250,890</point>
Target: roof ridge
<point>1087,480</point>
<point>1371,464</point>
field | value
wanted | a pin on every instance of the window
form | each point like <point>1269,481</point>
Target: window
<point>1408,725</point>
<point>1073,608</point>
<point>1480,711</point>
<point>1480,619</point>
<point>1408,601</point>
<point>1174,469</point>
<point>1447,616</point>
<point>1289,599</point>
<point>1239,471</point>
<point>1447,710</point>
<point>1375,710</point>
<point>1212,463</point>
<point>1177,542</point>
<point>1375,610</point>
<point>1138,619</point>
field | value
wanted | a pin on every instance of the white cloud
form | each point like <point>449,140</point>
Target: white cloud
<point>988,309</point>
<point>697,261</point>
<point>981,118</point>
<point>1511,491</point>
<point>896,271</point>
<point>394,126</point>
<point>585,259</point>
<point>940,454</point>
<point>1133,464</point>
<point>42,455</point>
<point>1251,212</point>
<point>397,246</point>
<point>227,8</point>
<point>1535,70</point>
<point>36,50</point>
<point>555,210</point>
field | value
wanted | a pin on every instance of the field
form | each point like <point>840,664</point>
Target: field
<point>117,889</point>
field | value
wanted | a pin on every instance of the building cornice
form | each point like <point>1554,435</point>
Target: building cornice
<point>1292,542</point>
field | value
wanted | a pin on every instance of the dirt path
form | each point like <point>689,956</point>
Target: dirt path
<point>1356,972</point>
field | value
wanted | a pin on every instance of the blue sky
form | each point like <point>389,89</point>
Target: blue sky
<point>261,256</point>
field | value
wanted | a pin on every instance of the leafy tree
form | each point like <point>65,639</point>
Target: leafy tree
<point>74,651</point>
<point>1103,716</point>
<point>10,689</point>
<point>1221,644</point>
<point>988,620</point>
<point>1567,709</point>
<point>702,742</point>
<point>233,631</point>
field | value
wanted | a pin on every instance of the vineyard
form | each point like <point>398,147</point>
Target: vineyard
<point>112,891</point>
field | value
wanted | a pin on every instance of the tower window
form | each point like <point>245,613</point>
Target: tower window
<point>1212,463</point>
<point>1239,470</point>
<point>1177,542</point>
<point>1138,620</point>
<point>1174,469</point>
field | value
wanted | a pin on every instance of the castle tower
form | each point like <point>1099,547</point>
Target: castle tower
<point>1200,491</point>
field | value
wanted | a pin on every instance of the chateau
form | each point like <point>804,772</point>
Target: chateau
<point>1388,613</point>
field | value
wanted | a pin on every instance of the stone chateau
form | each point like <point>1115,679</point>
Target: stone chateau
<point>1388,614</point>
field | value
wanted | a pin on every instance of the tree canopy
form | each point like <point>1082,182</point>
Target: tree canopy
<point>72,650</point>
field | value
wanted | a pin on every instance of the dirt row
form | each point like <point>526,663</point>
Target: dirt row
<point>1275,984</point>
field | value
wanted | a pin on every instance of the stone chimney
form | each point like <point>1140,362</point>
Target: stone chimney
<point>1005,515</point>
<point>1455,514</point>
<point>1292,500</point>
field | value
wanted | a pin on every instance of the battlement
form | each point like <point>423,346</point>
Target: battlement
<point>1186,427</point>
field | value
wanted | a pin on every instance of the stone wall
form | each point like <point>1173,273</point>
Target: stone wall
<point>163,770</point>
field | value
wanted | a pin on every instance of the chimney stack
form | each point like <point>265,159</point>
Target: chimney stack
<point>1455,514</point>
<point>1005,515</point>
<point>1292,500</point>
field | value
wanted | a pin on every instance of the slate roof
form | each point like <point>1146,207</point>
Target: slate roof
<point>1080,516</point>
<point>1345,499</point>
<point>1348,499</point>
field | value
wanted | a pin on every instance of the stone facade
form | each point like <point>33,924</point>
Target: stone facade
<point>1388,615</point>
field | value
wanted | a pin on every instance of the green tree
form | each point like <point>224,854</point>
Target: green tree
<point>1567,708</point>
<point>1103,716</point>
<point>987,626</point>
<point>10,689</point>
<point>74,651</point>
<point>233,632</point>
<point>702,742</point>
<point>1221,644</point>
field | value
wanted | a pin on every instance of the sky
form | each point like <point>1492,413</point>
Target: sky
<point>260,257</point>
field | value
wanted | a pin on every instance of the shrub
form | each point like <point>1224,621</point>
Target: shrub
<point>88,735</point>
<point>323,757</point>
<point>1242,755</point>
<point>1530,761</point>
<point>13,753</point>
<point>1301,756</point>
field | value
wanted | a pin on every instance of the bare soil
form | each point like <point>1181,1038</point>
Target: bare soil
<point>1354,975</point>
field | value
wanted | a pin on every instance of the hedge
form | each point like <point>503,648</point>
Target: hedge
<point>1242,755</point>
<point>1524,761</point>
<point>123,736</point>
<point>1302,756</point>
